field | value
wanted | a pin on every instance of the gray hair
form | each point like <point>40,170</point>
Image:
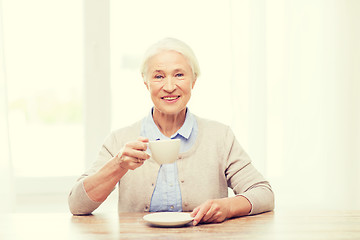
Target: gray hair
<point>171,44</point>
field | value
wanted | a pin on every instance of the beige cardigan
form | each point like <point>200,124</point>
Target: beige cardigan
<point>215,162</point>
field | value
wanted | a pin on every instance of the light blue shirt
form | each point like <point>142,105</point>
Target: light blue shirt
<point>167,195</point>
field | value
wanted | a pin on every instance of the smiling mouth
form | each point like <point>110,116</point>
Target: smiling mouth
<point>170,98</point>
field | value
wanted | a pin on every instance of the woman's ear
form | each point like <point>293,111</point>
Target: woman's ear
<point>145,82</point>
<point>193,83</point>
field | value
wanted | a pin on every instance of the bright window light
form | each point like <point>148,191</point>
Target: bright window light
<point>43,51</point>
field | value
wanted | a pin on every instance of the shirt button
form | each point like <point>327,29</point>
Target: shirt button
<point>172,207</point>
<point>182,181</point>
<point>186,204</point>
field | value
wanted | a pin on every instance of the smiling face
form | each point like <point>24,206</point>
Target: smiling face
<point>169,79</point>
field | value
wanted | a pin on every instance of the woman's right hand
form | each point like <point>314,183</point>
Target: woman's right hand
<point>133,154</point>
<point>99,185</point>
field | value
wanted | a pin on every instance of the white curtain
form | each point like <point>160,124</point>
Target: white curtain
<point>296,97</point>
<point>6,187</point>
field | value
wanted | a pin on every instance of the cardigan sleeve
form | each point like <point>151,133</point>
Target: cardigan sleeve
<point>78,200</point>
<point>244,178</point>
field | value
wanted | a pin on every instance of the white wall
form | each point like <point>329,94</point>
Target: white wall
<point>313,101</point>
<point>296,97</point>
<point>6,181</point>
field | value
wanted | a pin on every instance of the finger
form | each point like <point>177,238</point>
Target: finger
<point>209,215</point>
<point>143,139</point>
<point>195,211</point>
<point>215,217</point>
<point>139,159</point>
<point>134,153</point>
<point>204,208</point>
<point>131,163</point>
<point>217,212</point>
<point>138,145</point>
<point>141,155</point>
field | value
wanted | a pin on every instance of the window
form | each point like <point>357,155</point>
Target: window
<point>43,51</point>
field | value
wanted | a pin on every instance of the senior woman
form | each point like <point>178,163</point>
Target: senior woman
<point>210,158</point>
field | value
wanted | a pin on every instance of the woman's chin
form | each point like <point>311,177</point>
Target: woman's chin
<point>170,110</point>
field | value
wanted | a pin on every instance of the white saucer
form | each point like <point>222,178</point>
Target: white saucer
<point>168,219</point>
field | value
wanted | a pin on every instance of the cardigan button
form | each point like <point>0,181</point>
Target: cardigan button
<point>182,181</point>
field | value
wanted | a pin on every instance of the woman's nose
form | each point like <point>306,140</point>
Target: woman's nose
<point>169,85</point>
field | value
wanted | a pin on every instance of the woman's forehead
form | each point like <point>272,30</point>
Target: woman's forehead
<point>163,68</point>
<point>168,60</point>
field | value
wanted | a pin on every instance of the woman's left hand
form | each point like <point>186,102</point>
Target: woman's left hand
<point>216,211</point>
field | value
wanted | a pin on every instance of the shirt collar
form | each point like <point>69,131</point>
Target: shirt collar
<point>153,132</point>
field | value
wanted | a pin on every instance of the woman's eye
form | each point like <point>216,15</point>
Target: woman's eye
<point>158,77</point>
<point>179,75</point>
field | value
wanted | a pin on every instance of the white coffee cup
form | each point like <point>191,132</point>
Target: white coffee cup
<point>165,151</point>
